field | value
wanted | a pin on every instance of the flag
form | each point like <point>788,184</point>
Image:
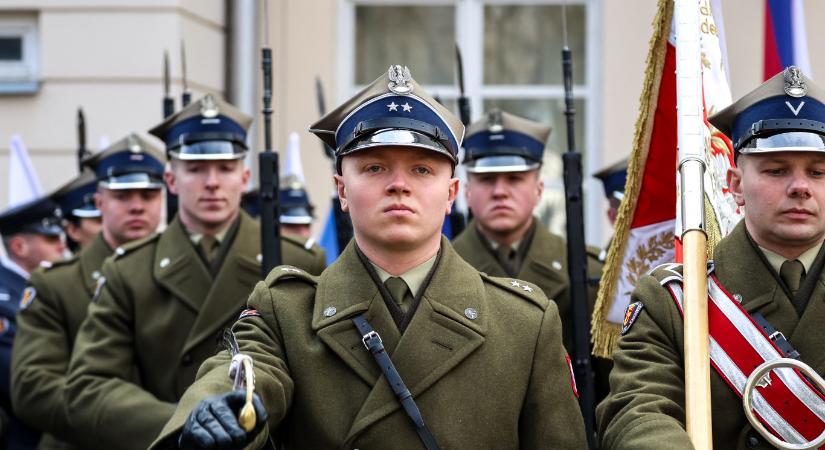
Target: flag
<point>23,183</point>
<point>329,237</point>
<point>785,39</point>
<point>647,227</point>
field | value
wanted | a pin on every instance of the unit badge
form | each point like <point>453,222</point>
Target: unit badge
<point>630,316</point>
<point>794,83</point>
<point>28,297</point>
<point>209,108</point>
<point>400,80</point>
<point>249,313</point>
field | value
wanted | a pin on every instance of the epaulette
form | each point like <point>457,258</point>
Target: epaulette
<point>520,288</point>
<point>298,242</point>
<point>129,247</point>
<point>47,266</point>
<point>281,273</point>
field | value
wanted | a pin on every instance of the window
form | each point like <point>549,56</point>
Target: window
<point>19,53</point>
<point>511,51</point>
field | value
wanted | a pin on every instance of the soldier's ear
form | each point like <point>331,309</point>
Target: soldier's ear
<point>734,179</point>
<point>171,181</point>
<point>342,191</point>
<point>454,187</point>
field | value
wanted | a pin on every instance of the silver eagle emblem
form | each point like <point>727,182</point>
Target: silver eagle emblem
<point>209,108</point>
<point>794,83</point>
<point>400,80</point>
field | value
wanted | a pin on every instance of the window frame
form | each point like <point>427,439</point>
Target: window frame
<point>469,35</point>
<point>21,77</point>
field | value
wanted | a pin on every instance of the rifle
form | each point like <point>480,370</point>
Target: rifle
<point>269,174</point>
<point>577,254</point>
<point>186,96</point>
<point>343,223</point>
<point>457,220</point>
<point>168,110</point>
<point>82,152</point>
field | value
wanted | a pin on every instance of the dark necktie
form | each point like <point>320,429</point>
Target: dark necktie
<point>397,287</point>
<point>209,246</point>
<point>507,258</point>
<point>791,273</point>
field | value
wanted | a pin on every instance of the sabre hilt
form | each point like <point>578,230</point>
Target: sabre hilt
<point>243,378</point>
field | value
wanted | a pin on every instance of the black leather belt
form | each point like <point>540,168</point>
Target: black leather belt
<point>776,336</point>
<point>373,343</point>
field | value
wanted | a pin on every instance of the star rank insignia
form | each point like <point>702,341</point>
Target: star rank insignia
<point>406,107</point>
<point>392,107</point>
<point>526,288</point>
<point>515,283</point>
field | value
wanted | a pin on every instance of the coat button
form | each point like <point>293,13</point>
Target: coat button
<point>753,440</point>
<point>187,359</point>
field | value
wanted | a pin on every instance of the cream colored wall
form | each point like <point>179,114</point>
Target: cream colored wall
<point>106,56</point>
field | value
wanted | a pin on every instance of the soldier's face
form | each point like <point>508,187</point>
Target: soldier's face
<point>84,230</point>
<point>783,195</point>
<point>30,249</point>
<point>128,214</point>
<point>502,202</point>
<point>209,192</point>
<point>397,197</point>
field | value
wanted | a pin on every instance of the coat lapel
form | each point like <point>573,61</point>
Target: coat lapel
<point>91,260</point>
<point>438,339</point>
<point>227,295</point>
<point>178,268</point>
<point>475,252</point>
<point>809,334</point>
<point>546,261</point>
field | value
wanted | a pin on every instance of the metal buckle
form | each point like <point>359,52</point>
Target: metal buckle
<point>776,335</point>
<point>369,336</point>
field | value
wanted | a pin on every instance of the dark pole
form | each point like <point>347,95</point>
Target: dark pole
<point>269,178</point>
<point>82,152</point>
<point>577,258</point>
<point>168,110</point>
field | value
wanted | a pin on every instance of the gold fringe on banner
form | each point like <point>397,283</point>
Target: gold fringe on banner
<point>606,334</point>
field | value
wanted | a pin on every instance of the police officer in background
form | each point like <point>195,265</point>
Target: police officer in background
<point>482,356</point>
<point>163,302</point>
<point>503,157</point>
<point>129,198</point>
<point>31,237</point>
<point>81,219</point>
<point>766,289</point>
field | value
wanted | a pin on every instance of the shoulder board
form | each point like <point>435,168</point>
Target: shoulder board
<point>281,273</point>
<point>519,288</point>
<point>127,248</point>
<point>297,242</point>
<point>56,264</point>
<point>593,252</point>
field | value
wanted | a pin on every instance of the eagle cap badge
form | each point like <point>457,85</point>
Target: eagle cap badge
<point>400,79</point>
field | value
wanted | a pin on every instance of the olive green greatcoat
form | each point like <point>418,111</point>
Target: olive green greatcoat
<point>646,404</point>
<point>499,381</point>
<point>159,315</point>
<point>46,331</point>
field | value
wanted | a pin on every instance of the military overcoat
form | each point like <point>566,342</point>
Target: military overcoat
<point>646,404</point>
<point>482,357</point>
<point>159,314</point>
<point>46,331</point>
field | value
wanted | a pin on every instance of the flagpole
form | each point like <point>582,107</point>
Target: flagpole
<point>690,126</point>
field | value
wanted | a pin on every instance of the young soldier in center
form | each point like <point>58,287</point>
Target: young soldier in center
<point>503,158</point>
<point>129,198</point>
<point>483,359</point>
<point>164,302</point>
<point>766,291</point>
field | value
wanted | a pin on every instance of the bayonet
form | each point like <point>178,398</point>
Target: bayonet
<point>186,96</point>
<point>319,95</point>
<point>168,101</point>
<point>463,101</point>
<point>82,152</point>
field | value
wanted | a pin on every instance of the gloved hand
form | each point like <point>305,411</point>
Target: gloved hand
<point>213,424</point>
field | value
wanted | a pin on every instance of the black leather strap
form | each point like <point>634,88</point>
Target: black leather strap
<point>776,336</point>
<point>373,343</point>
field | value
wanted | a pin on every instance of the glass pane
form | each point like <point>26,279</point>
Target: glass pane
<point>522,43</point>
<point>11,49</point>
<point>419,37</point>
<point>550,209</point>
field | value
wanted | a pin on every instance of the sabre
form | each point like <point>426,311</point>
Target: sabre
<point>243,379</point>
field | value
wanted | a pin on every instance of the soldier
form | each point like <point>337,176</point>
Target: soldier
<point>765,290</point>
<point>613,178</point>
<point>129,197</point>
<point>503,156</point>
<point>296,209</point>
<point>31,237</point>
<point>81,219</point>
<point>162,302</point>
<point>483,356</point>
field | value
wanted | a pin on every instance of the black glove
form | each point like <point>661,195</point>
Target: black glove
<point>213,424</point>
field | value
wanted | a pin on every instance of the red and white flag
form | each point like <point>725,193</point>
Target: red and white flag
<point>647,228</point>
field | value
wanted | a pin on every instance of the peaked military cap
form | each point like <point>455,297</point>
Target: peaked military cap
<point>41,216</point>
<point>207,129</point>
<point>504,142</point>
<point>785,113</point>
<point>613,178</point>
<point>130,163</point>
<point>76,198</point>
<point>393,110</point>
<point>295,206</point>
